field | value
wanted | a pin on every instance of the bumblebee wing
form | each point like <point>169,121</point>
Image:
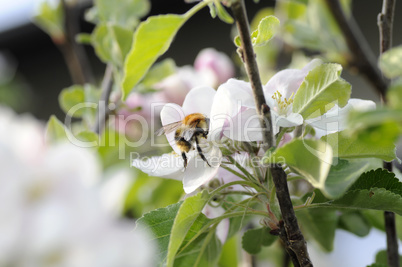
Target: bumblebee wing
<point>190,131</point>
<point>168,128</point>
<point>188,134</point>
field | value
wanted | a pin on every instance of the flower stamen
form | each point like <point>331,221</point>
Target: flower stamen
<point>282,104</point>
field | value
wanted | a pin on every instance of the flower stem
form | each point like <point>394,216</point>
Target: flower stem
<point>74,54</point>
<point>291,235</point>
<point>103,111</point>
<point>247,183</point>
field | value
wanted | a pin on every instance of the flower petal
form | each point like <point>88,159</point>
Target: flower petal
<point>223,227</point>
<point>335,119</point>
<point>171,113</point>
<point>167,166</point>
<point>293,119</point>
<point>289,80</point>
<point>198,172</point>
<point>230,98</point>
<point>245,126</point>
<point>199,100</point>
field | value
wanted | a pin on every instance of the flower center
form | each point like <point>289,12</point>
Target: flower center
<point>282,104</point>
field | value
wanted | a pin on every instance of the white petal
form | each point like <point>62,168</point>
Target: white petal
<point>199,100</point>
<point>335,119</point>
<point>166,166</point>
<point>198,172</point>
<point>286,82</point>
<point>223,227</point>
<point>171,113</point>
<point>293,119</point>
<point>230,98</point>
<point>245,126</point>
<point>289,80</point>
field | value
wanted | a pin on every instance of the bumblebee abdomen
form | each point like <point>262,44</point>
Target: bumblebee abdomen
<point>183,145</point>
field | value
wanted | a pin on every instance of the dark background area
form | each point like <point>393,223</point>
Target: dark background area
<point>42,68</point>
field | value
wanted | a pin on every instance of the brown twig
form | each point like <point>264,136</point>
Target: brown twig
<point>74,53</point>
<point>361,56</point>
<point>291,237</point>
<point>385,22</point>
<point>103,110</point>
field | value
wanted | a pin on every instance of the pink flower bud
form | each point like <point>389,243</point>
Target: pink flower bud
<point>214,66</point>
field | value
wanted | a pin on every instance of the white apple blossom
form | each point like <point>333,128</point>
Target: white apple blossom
<point>51,207</point>
<point>234,113</point>
<point>197,173</point>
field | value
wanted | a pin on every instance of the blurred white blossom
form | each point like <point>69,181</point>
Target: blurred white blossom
<point>51,207</point>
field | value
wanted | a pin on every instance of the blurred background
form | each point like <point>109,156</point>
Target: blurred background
<point>33,73</point>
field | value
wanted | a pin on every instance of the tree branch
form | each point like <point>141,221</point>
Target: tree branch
<point>385,22</point>
<point>361,56</point>
<point>74,54</point>
<point>291,236</point>
<point>103,110</point>
<point>248,57</point>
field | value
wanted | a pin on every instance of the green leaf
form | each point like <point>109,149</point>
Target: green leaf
<point>267,28</point>
<point>125,13</point>
<point>160,223</point>
<point>186,216</point>
<point>83,38</point>
<point>342,175</point>
<point>229,255</point>
<point>212,10</point>
<point>321,89</point>
<point>348,147</point>
<point>381,127</point>
<point>361,120</point>
<point>222,13</point>
<point>320,224</point>
<point>292,9</point>
<point>378,265</point>
<point>88,136</point>
<point>159,71</point>
<point>50,18</point>
<point>70,97</point>
<point>80,101</point>
<point>391,62</point>
<point>254,239</point>
<point>204,251</point>
<point>152,39</point>
<point>378,190</point>
<point>311,159</point>
<point>55,130</point>
<point>376,219</point>
<point>381,259</point>
<point>112,43</point>
<point>354,222</point>
<point>394,95</point>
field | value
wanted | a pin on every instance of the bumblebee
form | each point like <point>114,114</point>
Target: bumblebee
<point>187,132</point>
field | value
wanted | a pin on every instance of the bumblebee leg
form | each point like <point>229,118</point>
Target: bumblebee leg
<point>183,154</point>
<point>200,152</point>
